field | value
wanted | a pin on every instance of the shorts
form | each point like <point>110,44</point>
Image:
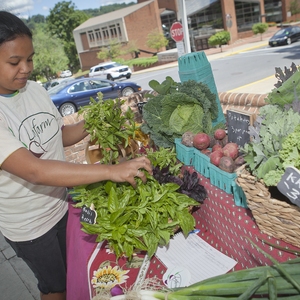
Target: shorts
<point>46,257</point>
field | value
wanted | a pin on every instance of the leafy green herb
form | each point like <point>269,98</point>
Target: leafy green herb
<point>108,126</point>
<point>136,219</point>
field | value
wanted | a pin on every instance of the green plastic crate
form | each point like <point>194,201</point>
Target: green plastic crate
<point>201,163</point>
<point>226,182</point>
<point>221,179</point>
<point>239,196</point>
<point>183,153</point>
<point>195,66</point>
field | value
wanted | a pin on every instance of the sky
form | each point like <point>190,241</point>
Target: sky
<point>27,8</point>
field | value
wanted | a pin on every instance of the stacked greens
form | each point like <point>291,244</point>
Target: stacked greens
<point>177,108</point>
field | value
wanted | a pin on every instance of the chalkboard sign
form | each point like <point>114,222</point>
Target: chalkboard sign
<point>289,185</point>
<point>238,123</point>
<point>88,214</point>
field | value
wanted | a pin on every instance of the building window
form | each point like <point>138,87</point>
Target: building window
<point>98,35</point>
<point>91,36</point>
<point>105,33</point>
<point>247,14</point>
<point>210,16</point>
<point>273,11</point>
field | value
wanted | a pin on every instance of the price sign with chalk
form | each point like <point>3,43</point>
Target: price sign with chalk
<point>289,185</point>
<point>88,214</point>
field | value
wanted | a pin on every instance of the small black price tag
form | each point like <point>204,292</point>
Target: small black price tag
<point>88,214</point>
<point>289,185</point>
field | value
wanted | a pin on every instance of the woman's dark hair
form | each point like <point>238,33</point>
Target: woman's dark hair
<point>12,27</point>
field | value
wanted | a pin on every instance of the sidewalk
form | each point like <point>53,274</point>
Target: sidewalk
<point>16,280</point>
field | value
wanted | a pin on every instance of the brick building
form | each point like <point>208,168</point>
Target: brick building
<point>132,24</point>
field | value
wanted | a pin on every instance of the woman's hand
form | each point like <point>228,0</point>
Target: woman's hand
<point>128,170</point>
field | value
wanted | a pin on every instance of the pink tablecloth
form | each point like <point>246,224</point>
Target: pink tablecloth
<point>222,224</point>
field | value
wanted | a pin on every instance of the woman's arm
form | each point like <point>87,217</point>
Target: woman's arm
<point>73,133</point>
<point>24,164</point>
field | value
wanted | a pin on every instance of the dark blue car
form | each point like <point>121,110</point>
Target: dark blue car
<point>285,36</point>
<point>68,97</point>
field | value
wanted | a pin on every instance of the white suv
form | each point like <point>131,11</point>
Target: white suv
<point>110,70</point>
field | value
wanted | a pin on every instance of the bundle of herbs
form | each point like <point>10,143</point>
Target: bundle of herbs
<point>275,133</point>
<point>109,127</point>
<point>146,217</point>
<point>177,108</point>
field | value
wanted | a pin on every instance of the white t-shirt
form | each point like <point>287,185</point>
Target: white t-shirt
<point>30,119</point>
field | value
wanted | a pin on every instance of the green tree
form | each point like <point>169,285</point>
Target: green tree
<point>219,39</point>
<point>295,7</point>
<point>49,57</point>
<point>156,40</point>
<point>112,51</point>
<point>61,22</point>
<point>132,49</point>
<point>260,28</point>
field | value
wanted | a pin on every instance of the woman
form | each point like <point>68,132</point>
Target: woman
<point>34,174</point>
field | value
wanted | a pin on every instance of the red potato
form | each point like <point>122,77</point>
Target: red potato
<point>201,141</point>
<point>187,139</point>
<point>220,134</point>
<point>239,161</point>
<point>217,147</point>
<point>206,152</point>
<point>215,157</point>
<point>224,141</point>
<point>227,164</point>
<point>231,150</point>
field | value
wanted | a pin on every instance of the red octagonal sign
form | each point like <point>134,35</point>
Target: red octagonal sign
<point>176,32</point>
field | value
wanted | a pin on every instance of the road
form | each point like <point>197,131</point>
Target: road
<point>233,71</point>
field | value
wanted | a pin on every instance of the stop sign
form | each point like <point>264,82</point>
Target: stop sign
<point>176,31</point>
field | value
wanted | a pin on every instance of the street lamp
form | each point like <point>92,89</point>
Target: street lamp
<point>191,33</point>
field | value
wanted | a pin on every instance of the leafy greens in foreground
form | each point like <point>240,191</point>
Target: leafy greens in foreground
<point>136,219</point>
<point>178,107</point>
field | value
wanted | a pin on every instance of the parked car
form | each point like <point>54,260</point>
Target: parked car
<point>50,84</point>
<point>68,97</point>
<point>285,36</point>
<point>110,70</point>
<point>66,73</point>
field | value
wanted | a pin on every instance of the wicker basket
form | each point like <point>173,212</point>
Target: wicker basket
<point>274,217</point>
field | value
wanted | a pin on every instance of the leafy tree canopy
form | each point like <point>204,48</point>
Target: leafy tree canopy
<point>61,22</point>
<point>49,57</point>
<point>219,39</point>
<point>156,40</point>
<point>260,28</point>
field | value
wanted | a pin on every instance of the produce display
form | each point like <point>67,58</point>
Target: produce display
<point>140,219</point>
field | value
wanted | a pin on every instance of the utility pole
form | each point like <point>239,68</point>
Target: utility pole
<point>184,22</point>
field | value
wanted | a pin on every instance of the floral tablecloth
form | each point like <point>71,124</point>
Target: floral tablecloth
<point>222,224</point>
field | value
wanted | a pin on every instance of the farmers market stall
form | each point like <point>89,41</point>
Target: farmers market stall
<point>129,226</point>
<point>222,224</point>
